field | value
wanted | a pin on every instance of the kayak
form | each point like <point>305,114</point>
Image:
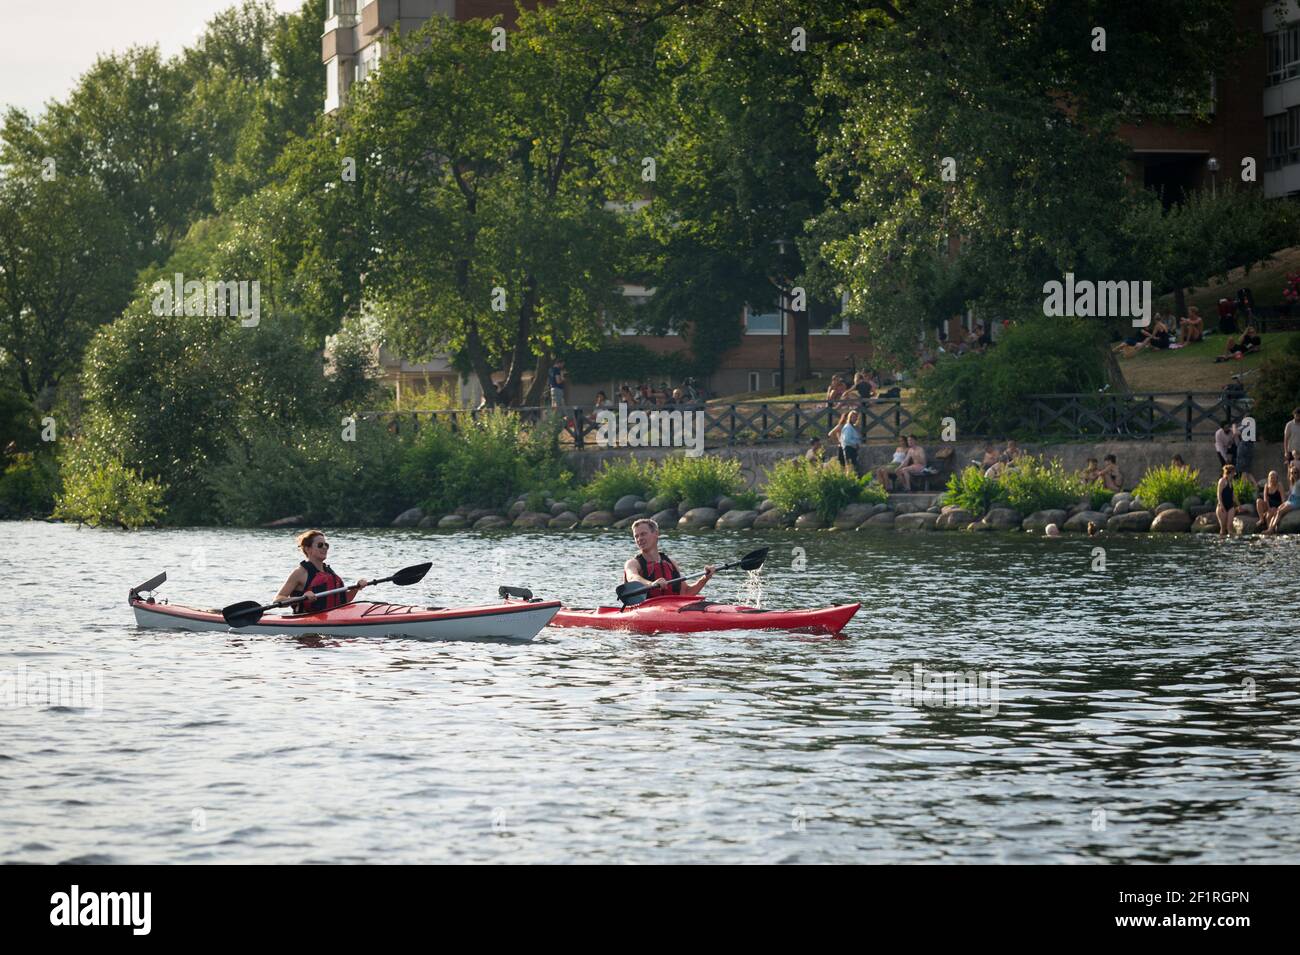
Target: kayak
<point>674,613</point>
<point>517,620</point>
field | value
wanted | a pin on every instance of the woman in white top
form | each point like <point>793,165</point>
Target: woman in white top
<point>850,439</point>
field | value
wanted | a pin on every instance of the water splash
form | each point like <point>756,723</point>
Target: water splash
<point>751,592</point>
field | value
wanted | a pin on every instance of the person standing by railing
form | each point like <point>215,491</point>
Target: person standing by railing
<point>556,381</point>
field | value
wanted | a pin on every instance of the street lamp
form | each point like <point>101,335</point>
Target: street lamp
<point>1213,165</point>
<point>780,305</point>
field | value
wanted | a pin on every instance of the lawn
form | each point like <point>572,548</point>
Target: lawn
<point>1193,368</point>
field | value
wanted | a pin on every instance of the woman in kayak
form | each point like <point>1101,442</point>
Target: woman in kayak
<point>314,576</point>
<point>651,567</point>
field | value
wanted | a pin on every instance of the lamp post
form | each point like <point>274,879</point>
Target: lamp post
<point>780,305</point>
<point>1213,165</point>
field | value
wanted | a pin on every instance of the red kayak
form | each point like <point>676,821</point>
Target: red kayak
<point>679,614</point>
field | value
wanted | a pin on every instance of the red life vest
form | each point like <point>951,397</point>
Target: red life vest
<point>662,569</point>
<point>318,581</point>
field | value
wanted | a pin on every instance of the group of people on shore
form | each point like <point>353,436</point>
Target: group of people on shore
<point>645,395</point>
<point>1169,331</point>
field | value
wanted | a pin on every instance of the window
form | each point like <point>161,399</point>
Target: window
<point>369,60</point>
<point>637,296</point>
<point>332,85</point>
<point>753,381</point>
<point>828,318</point>
<point>767,322</point>
<point>1282,133</point>
<point>1283,54</point>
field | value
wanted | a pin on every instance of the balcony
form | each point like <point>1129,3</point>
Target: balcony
<point>340,15</point>
<point>379,15</point>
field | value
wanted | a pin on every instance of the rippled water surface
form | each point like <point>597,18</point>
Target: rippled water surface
<point>1146,712</point>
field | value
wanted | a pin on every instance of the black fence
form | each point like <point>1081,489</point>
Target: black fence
<point>1140,416</point>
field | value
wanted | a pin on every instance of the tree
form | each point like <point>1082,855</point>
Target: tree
<point>63,272</point>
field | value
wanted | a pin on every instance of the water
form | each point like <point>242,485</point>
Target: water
<point>1146,712</point>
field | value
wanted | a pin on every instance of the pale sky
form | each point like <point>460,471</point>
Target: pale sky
<point>45,45</point>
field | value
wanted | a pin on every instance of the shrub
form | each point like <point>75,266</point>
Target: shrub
<point>698,482</point>
<point>1245,490</point>
<point>620,477</point>
<point>988,391</point>
<point>971,490</point>
<point>1277,393</point>
<point>29,485</point>
<point>797,485</point>
<point>1035,485</point>
<point>1167,483</point>
<point>99,489</point>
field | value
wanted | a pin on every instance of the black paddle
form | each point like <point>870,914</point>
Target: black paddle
<point>751,561</point>
<point>248,612</point>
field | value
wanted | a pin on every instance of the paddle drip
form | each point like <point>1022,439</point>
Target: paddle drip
<point>751,592</point>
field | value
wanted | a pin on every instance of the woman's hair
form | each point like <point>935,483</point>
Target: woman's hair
<point>1227,469</point>
<point>307,538</point>
<point>1272,478</point>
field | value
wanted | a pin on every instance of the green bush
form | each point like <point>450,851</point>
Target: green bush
<point>1167,483</point>
<point>971,490</point>
<point>99,489</point>
<point>1036,485</point>
<point>1245,490</point>
<point>697,482</point>
<point>989,391</point>
<point>620,477</point>
<point>28,486</point>
<point>797,485</point>
<point>1277,393</point>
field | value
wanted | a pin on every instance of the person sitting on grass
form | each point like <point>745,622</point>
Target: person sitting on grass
<point>1269,500</point>
<point>1156,337</point>
<point>1112,479</point>
<point>836,390</point>
<point>1290,504</point>
<point>1239,348</point>
<point>885,473</point>
<point>850,439</point>
<point>912,465</point>
<point>999,467</point>
<point>1192,328</point>
<point>989,458</point>
<point>1091,472</point>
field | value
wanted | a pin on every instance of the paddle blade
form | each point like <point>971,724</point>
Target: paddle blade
<point>153,583</point>
<point>629,591</point>
<point>754,559</point>
<point>243,613</point>
<point>523,593</point>
<point>411,575</point>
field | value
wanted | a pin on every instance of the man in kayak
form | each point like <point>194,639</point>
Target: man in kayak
<point>314,576</point>
<point>651,567</point>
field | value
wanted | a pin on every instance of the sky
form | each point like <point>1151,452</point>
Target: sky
<point>45,45</point>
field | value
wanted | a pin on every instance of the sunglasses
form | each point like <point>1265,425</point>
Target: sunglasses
<point>323,546</point>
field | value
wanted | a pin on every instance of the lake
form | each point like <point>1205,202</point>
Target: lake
<point>1141,711</point>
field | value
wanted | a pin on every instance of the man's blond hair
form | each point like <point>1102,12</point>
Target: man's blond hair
<point>645,520</point>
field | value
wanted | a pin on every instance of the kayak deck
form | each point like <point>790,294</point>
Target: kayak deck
<point>684,614</point>
<point>512,621</point>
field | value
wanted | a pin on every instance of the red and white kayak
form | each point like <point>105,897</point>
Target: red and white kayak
<point>515,620</point>
<point>680,614</point>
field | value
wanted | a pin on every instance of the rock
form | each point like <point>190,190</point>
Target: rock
<point>880,509</point>
<point>765,505</point>
<point>667,517</point>
<point>409,518</point>
<point>626,506</point>
<point>851,516</point>
<point>588,508</point>
<point>563,521</point>
<point>490,522</point>
<point>1122,507</point>
<point>906,507</point>
<point>1079,522</point>
<point>954,518</point>
<point>883,520</point>
<point>463,509</point>
<point>517,508</point>
<point>623,523</point>
<point>533,519</point>
<point>1108,509</point>
<point>660,502</point>
<point>979,526</point>
<point>1192,502</point>
<point>1133,522</point>
<point>938,501</point>
<point>810,521</point>
<point>296,521</point>
<point>699,517</point>
<point>1200,509</point>
<point>1040,519</point>
<point>772,517</point>
<point>1165,506</point>
<point>737,519</point>
<point>598,518</point>
<point>1205,523</point>
<point>479,513</point>
<point>1125,496</point>
<point>933,509</point>
<point>726,504</point>
<point>1243,525</point>
<point>1003,518</point>
<point>1290,523</point>
<point>1172,520</point>
<point>916,521</point>
<point>429,520</point>
<point>452,521</point>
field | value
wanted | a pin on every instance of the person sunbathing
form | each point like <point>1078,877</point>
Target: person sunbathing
<point>1193,327</point>
<point>885,473</point>
<point>912,465</point>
